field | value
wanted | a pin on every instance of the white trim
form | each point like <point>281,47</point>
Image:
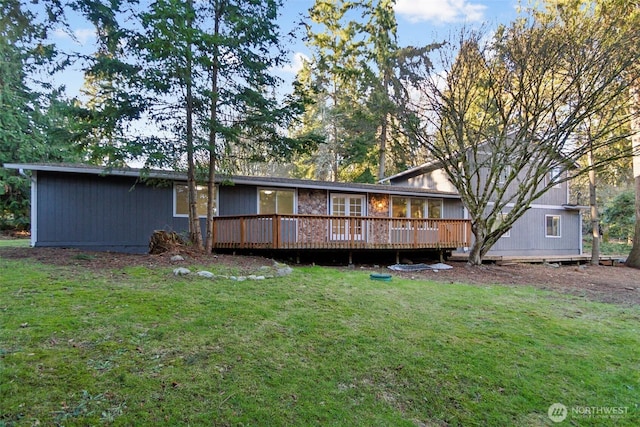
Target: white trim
<point>559,236</point>
<point>34,209</point>
<point>508,232</point>
<point>535,206</point>
<point>349,196</point>
<point>580,233</point>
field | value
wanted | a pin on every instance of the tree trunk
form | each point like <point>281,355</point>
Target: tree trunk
<point>382,159</point>
<point>384,129</point>
<point>633,260</point>
<point>595,220</point>
<point>213,118</point>
<point>195,232</point>
<point>477,251</point>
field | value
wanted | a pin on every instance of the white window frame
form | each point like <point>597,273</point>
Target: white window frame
<point>504,174</point>
<point>175,201</point>
<point>345,234</point>
<point>508,232</point>
<point>555,173</point>
<point>295,198</point>
<point>546,218</point>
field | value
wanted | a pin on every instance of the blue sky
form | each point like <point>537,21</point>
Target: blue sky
<point>420,22</point>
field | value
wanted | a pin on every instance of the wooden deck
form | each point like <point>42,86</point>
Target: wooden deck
<point>540,259</point>
<point>298,232</point>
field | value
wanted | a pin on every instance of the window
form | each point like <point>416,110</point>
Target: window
<point>499,220</point>
<point>349,205</point>
<point>552,228</point>
<point>181,201</point>
<point>404,207</point>
<point>399,207</point>
<point>504,174</point>
<point>276,201</point>
<point>555,174</point>
<point>435,208</point>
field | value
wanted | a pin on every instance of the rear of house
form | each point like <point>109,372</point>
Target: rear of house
<point>114,209</point>
<point>552,226</point>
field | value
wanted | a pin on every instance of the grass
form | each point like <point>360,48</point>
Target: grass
<point>139,346</point>
<point>15,243</point>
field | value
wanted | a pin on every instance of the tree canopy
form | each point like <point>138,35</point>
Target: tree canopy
<point>503,115</point>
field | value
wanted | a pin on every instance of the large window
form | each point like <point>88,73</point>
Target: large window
<point>181,200</point>
<point>552,228</point>
<point>276,201</point>
<point>405,207</point>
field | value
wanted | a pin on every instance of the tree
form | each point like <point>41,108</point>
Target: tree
<point>619,216</point>
<point>28,111</point>
<point>503,116</point>
<point>334,80</point>
<point>110,102</point>
<point>610,11</point>
<point>633,260</point>
<point>215,58</point>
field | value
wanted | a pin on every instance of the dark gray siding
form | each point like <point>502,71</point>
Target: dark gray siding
<point>101,213</point>
<point>237,200</point>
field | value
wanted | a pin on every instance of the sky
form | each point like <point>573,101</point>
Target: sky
<point>420,22</point>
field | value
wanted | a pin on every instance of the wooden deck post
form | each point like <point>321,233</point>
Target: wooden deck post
<point>276,231</point>
<point>242,232</point>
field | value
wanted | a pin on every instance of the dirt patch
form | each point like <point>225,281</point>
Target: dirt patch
<point>613,284</point>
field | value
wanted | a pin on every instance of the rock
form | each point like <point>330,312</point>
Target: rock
<point>282,269</point>
<point>254,277</point>
<point>177,258</point>
<point>440,266</point>
<point>238,278</point>
<point>206,274</point>
<point>181,271</point>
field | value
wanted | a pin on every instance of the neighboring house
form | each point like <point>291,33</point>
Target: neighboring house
<point>552,226</point>
<point>94,208</point>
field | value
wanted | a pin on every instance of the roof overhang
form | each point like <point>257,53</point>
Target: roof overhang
<point>570,207</point>
<point>233,179</point>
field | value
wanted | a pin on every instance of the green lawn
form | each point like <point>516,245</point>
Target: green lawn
<point>321,347</point>
<point>15,243</point>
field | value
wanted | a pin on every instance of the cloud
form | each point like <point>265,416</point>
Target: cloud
<point>80,36</point>
<point>296,65</point>
<point>443,11</point>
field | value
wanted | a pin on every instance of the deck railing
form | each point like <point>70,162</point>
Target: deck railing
<point>338,232</point>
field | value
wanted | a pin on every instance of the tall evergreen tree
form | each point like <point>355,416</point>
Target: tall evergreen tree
<point>215,58</point>
<point>27,116</point>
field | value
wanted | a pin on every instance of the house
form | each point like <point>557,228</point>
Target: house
<point>94,208</point>
<point>551,227</point>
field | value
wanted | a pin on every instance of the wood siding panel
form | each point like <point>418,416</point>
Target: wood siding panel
<point>95,212</point>
<point>237,200</point>
<point>527,237</point>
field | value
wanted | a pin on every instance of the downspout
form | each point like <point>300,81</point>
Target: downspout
<point>34,205</point>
